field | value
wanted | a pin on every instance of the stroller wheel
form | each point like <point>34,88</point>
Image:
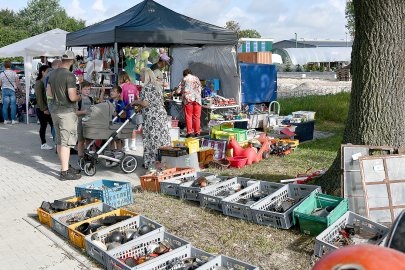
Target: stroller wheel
<point>82,162</point>
<point>89,169</point>
<point>129,164</point>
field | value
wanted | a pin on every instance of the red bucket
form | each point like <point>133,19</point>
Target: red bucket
<point>237,161</point>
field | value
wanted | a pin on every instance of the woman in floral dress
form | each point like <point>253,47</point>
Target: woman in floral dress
<point>155,130</point>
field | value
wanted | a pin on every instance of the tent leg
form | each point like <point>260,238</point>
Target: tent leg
<point>117,55</point>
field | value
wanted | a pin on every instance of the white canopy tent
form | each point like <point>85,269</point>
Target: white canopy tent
<point>51,43</point>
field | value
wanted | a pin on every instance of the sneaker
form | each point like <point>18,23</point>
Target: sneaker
<point>197,135</point>
<point>46,146</point>
<point>74,170</point>
<point>6,122</point>
<point>133,147</point>
<point>13,122</point>
<point>125,148</point>
<point>189,135</point>
<point>68,175</point>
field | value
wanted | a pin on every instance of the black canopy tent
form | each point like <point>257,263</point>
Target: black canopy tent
<point>153,25</point>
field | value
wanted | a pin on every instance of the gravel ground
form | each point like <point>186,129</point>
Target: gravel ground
<point>265,247</point>
<point>293,87</point>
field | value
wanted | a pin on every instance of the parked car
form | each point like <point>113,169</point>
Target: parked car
<point>18,67</point>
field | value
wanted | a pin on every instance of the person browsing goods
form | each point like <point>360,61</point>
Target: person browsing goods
<point>62,88</point>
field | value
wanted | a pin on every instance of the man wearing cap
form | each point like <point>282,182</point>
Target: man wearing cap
<point>62,88</point>
<point>157,68</point>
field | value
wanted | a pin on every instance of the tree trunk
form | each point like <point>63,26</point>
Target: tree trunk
<point>377,106</point>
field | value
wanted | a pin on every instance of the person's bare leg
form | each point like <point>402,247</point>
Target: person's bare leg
<point>64,158</point>
<point>80,147</point>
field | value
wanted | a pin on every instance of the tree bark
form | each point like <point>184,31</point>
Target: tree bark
<point>377,107</point>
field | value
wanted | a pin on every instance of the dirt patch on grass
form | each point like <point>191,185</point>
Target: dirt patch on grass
<point>265,247</point>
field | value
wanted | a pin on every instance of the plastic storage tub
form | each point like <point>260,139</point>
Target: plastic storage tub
<point>209,197</point>
<point>172,186</point>
<point>60,222</point>
<point>188,192</point>
<point>133,223</point>
<point>114,193</point>
<point>181,249</point>
<point>228,263</point>
<point>323,241</point>
<point>276,219</point>
<point>231,207</point>
<point>314,225</point>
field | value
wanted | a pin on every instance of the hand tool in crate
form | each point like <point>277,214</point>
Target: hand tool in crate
<point>47,209</point>
<point>151,182</point>
<point>276,209</point>
<point>172,186</point>
<point>238,204</point>
<point>224,262</point>
<point>349,229</point>
<point>114,193</point>
<point>319,211</point>
<point>191,190</point>
<point>132,229</point>
<point>152,252</point>
<point>212,196</point>
<point>78,231</point>
<point>61,222</point>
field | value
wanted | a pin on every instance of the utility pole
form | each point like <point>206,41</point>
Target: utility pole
<point>296,41</point>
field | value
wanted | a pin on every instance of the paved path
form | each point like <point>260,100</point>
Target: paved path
<point>28,176</point>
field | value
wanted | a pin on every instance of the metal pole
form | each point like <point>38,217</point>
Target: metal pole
<point>117,56</point>
<point>296,41</point>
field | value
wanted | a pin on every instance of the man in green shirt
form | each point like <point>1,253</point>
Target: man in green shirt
<point>62,88</point>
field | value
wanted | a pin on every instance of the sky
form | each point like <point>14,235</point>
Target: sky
<point>276,19</point>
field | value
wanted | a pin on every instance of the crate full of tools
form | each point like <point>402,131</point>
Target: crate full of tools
<point>212,197</point>
<point>276,209</point>
<point>172,186</point>
<point>191,190</point>
<point>349,229</point>
<point>239,204</point>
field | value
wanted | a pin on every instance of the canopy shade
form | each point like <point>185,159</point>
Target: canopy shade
<point>51,43</point>
<point>153,25</point>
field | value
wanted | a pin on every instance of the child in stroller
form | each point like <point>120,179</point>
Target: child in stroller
<point>97,125</point>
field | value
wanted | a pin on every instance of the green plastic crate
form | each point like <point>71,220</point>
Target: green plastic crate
<point>314,225</point>
<point>241,134</point>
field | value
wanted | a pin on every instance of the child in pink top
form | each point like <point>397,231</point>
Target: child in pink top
<point>130,93</point>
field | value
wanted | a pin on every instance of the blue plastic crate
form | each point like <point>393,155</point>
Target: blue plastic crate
<point>114,193</point>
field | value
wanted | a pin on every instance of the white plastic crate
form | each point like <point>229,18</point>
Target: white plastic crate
<point>130,224</point>
<point>188,192</point>
<point>323,241</point>
<point>138,248</point>
<point>281,220</point>
<point>231,207</point>
<point>59,221</point>
<point>209,197</point>
<point>172,186</point>
<point>228,263</point>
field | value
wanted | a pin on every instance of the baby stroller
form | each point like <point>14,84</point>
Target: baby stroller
<point>97,125</point>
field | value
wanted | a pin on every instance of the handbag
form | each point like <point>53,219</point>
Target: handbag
<point>15,87</point>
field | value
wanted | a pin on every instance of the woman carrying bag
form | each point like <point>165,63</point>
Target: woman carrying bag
<point>9,83</point>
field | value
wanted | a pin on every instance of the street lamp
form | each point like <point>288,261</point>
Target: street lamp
<point>296,41</point>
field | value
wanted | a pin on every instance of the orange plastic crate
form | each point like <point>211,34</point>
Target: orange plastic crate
<point>46,218</point>
<point>151,182</point>
<point>77,238</point>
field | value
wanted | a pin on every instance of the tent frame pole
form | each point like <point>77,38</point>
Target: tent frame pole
<point>117,55</point>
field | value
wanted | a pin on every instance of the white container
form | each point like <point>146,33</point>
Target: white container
<point>308,116</point>
<point>174,133</point>
<point>190,161</point>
